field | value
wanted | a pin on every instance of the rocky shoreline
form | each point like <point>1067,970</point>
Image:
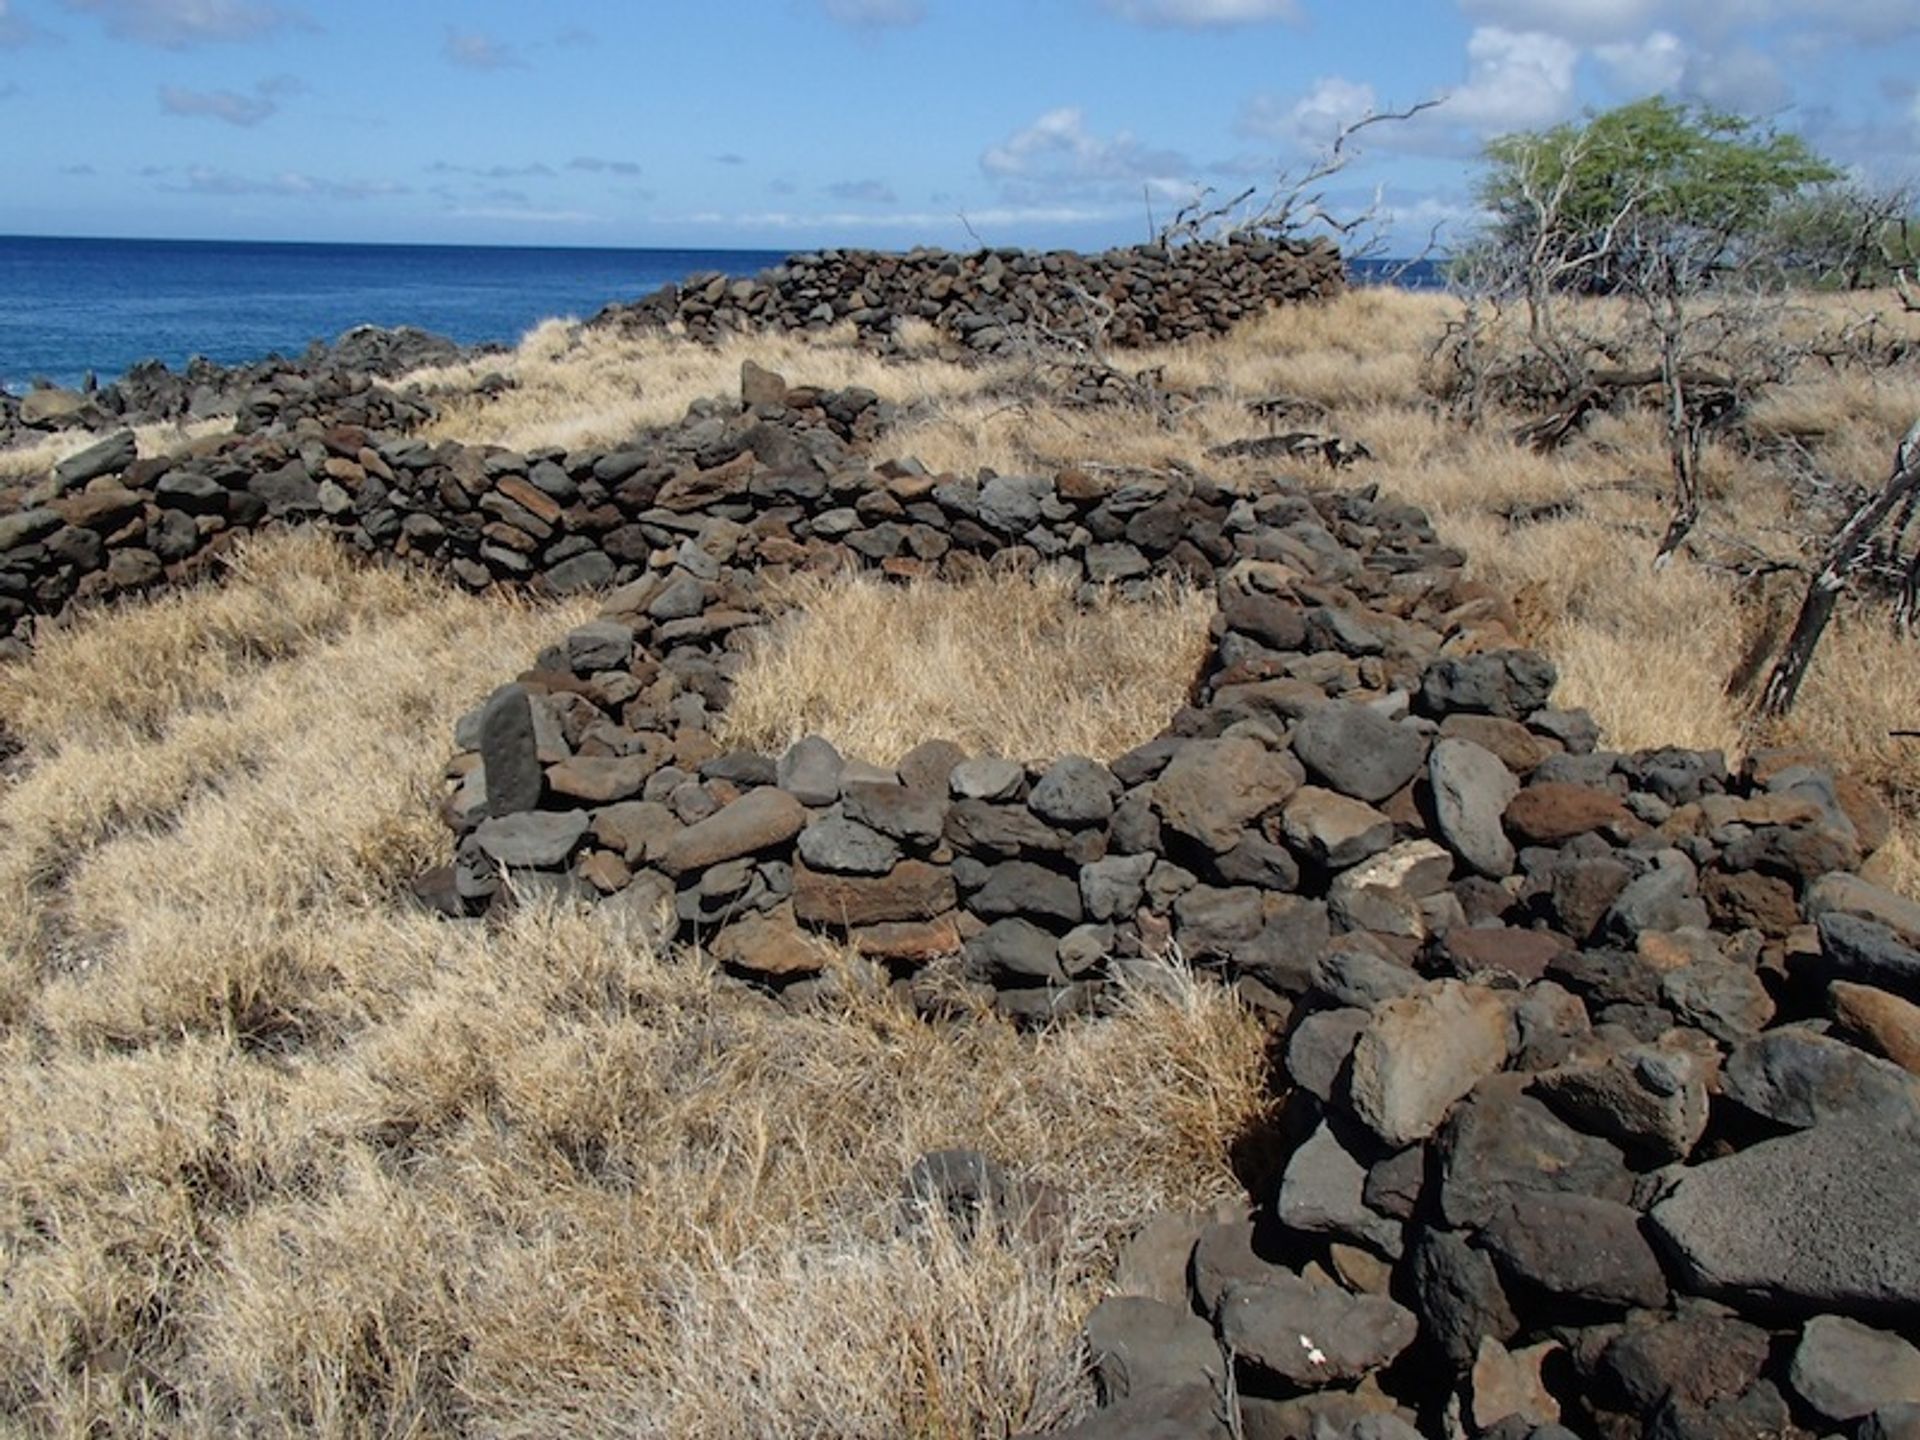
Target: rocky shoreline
<point>1597,1073</point>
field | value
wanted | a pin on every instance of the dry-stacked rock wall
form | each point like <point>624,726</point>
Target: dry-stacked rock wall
<point>1599,1068</point>
<point>992,300</point>
<point>152,393</point>
<point>334,450</point>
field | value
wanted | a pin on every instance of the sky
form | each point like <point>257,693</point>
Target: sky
<point>790,124</point>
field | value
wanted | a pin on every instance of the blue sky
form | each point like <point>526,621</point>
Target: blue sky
<point>793,123</point>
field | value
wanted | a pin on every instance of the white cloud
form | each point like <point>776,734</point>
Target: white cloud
<point>291,184</point>
<point>1741,79</point>
<point>228,105</point>
<point>1314,120</point>
<point>500,170</point>
<point>178,23</point>
<point>1649,66</point>
<point>1203,14</point>
<point>1600,21</point>
<point>526,217</point>
<point>1586,20</point>
<point>1058,155</point>
<point>875,14</point>
<point>474,50</point>
<point>1516,80</point>
<point>1867,21</point>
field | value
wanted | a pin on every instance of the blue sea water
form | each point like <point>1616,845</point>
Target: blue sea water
<point>69,306</point>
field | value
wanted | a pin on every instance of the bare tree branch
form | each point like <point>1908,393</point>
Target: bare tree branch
<point>1849,546</point>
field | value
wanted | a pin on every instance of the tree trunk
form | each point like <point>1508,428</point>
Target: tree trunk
<point>1823,591</point>
<point>1683,434</point>
<point>1906,609</point>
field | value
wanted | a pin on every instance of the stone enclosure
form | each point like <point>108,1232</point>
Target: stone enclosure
<point>995,300</point>
<point>1596,1071</point>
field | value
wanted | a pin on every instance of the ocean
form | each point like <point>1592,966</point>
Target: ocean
<point>72,306</point>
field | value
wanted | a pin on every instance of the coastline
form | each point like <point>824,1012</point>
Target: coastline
<point>104,305</point>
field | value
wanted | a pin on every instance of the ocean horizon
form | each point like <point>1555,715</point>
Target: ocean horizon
<point>71,306</point>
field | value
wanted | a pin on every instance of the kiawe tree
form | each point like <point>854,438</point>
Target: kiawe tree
<point>1654,181</point>
<point>1671,206</point>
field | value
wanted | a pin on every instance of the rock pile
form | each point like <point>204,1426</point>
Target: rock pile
<point>992,300</point>
<point>1600,1068</point>
<point>333,449</point>
<point>150,393</point>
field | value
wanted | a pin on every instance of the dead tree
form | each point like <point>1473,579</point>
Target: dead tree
<point>1903,266</point>
<point>1844,554</point>
<point>1298,201</point>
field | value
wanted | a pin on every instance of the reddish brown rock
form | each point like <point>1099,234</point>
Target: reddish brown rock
<point>530,498</point>
<point>1882,1022</point>
<point>1555,812</point>
<point>911,940</point>
<point>1748,900</point>
<point>1523,954</point>
<point>1215,788</point>
<point>605,871</point>
<point>912,890</point>
<point>758,820</point>
<point>105,505</point>
<point>349,474</point>
<point>1520,749</point>
<point>638,829</point>
<point>770,944</point>
<point>600,779</point>
<point>697,489</point>
<point>1872,821</point>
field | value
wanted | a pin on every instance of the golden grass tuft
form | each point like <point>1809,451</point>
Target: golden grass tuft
<point>284,1154</point>
<point>1007,665</point>
<point>31,462</point>
<point>576,385</point>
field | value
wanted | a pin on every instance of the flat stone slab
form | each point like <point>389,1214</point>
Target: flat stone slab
<point>532,839</point>
<point>1818,1221</point>
<point>758,820</point>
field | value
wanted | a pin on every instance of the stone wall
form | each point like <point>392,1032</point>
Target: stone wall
<point>334,450</point>
<point>150,393</point>
<point>1598,1069</point>
<point>992,300</point>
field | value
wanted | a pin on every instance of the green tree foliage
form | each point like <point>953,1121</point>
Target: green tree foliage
<point>1683,187</point>
<point>1844,235</point>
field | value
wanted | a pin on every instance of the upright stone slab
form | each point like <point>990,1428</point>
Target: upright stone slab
<point>510,752</point>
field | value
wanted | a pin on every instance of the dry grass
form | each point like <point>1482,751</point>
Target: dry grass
<point>580,386</point>
<point>284,1155</point>
<point>1010,665</point>
<point>30,462</point>
<point>1570,534</point>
